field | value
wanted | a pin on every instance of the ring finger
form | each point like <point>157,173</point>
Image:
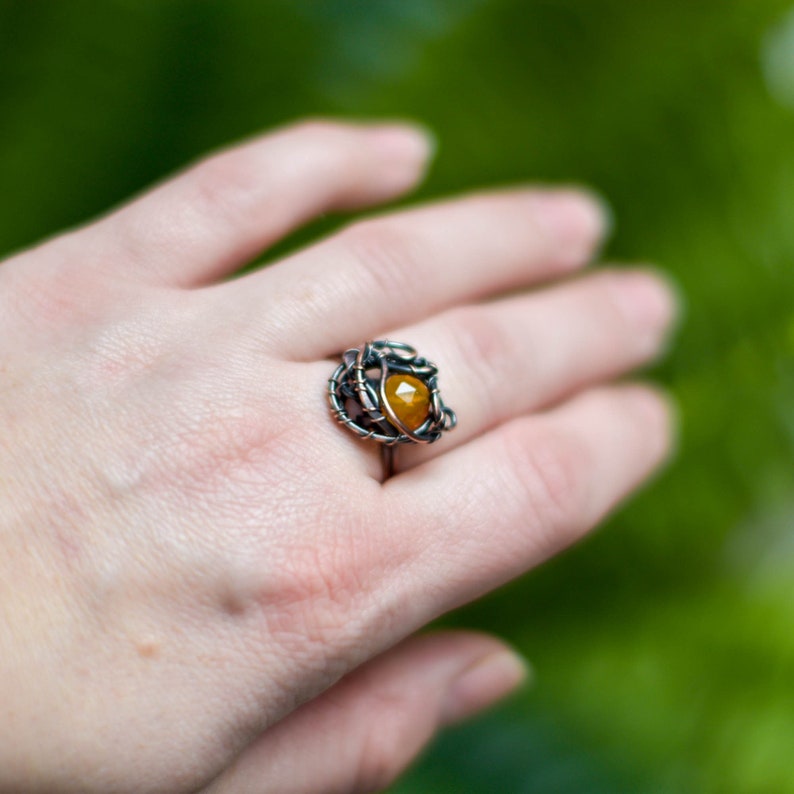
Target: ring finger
<point>502,359</point>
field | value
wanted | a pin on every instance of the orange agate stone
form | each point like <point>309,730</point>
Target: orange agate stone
<point>409,398</point>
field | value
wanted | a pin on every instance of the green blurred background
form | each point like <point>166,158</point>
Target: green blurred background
<point>663,645</point>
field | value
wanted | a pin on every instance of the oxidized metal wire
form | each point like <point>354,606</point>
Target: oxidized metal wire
<point>357,393</point>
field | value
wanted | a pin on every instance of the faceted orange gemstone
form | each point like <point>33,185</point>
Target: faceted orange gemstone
<point>409,398</point>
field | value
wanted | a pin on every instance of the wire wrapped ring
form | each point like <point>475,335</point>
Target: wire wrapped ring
<point>383,390</point>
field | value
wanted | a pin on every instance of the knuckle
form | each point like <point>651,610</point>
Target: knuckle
<point>480,338</point>
<point>128,351</point>
<point>215,447</point>
<point>486,348</point>
<point>301,608</point>
<point>385,254</point>
<point>549,476</point>
<point>49,293</point>
<point>309,618</point>
<point>324,595</point>
<point>230,181</point>
<point>225,184</point>
<point>381,753</point>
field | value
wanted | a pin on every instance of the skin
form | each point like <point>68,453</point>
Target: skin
<point>204,583</point>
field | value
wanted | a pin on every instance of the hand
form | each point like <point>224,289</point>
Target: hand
<point>193,553</point>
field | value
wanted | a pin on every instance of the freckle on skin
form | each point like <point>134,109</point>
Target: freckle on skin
<point>148,648</point>
<point>238,591</point>
<point>232,603</point>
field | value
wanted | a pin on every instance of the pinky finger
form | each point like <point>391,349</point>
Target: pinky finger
<point>491,509</point>
<point>361,734</point>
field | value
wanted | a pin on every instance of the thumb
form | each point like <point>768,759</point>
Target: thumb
<point>360,734</point>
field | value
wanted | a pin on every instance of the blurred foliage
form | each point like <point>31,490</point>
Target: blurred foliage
<point>663,645</point>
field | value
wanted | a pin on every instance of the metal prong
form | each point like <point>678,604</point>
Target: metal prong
<point>387,454</point>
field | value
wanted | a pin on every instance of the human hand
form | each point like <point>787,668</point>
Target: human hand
<point>193,553</point>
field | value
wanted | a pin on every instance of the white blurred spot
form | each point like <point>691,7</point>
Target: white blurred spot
<point>777,58</point>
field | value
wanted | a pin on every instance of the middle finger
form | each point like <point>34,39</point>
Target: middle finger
<point>506,358</point>
<point>408,265</point>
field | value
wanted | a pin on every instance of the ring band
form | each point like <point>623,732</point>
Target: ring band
<point>385,391</point>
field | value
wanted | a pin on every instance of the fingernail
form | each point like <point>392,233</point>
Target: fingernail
<point>402,153</point>
<point>483,684</point>
<point>648,303</point>
<point>575,220</point>
<point>405,142</point>
<point>658,411</point>
<point>656,403</point>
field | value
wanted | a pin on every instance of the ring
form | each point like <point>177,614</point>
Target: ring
<point>384,391</point>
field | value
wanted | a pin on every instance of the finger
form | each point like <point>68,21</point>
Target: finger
<point>507,358</point>
<point>211,219</point>
<point>362,733</point>
<point>486,512</point>
<point>406,265</point>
